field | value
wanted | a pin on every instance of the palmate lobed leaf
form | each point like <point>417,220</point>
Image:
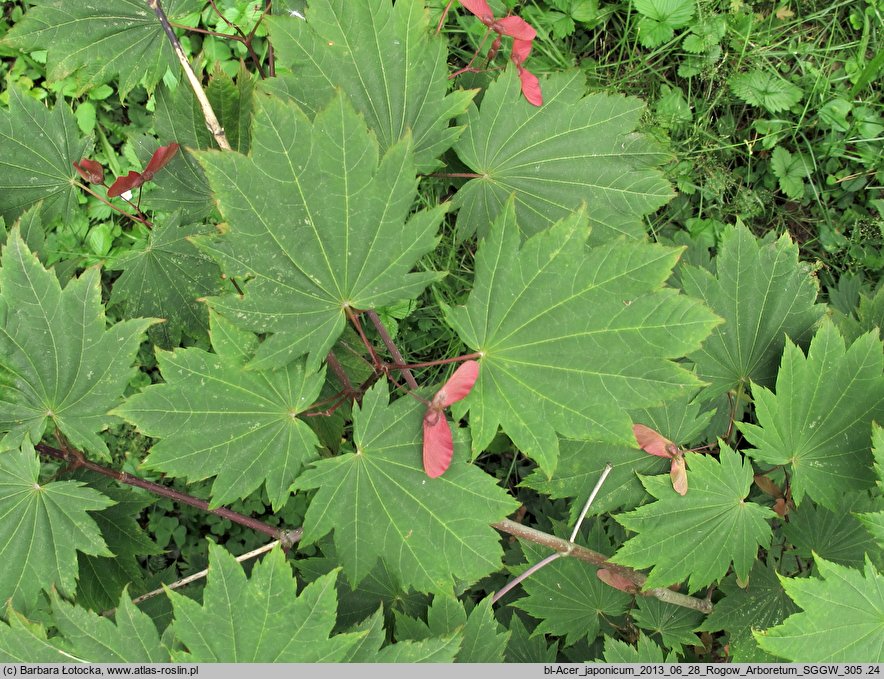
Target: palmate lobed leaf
<point>97,42</point>
<point>574,149</point>
<point>38,147</point>
<point>696,537</point>
<point>215,418</point>
<point>319,223</point>
<point>820,417</point>
<point>59,362</point>
<point>385,58</point>
<point>381,505</point>
<point>42,527</point>
<point>571,336</point>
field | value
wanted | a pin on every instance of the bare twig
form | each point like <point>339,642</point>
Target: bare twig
<point>392,348</point>
<point>208,113</point>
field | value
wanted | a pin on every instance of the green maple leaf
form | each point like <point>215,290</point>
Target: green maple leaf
<point>842,620</point>
<point>37,149</point>
<point>571,336</point>
<point>385,58</point>
<point>369,648</point>
<point>761,604</point>
<point>874,521</point>
<point>764,294</point>
<point>319,224</point>
<point>645,651</point>
<point>99,42</point>
<point>164,279</point>
<point>571,150</point>
<point>698,535</point>
<point>567,597</point>
<point>216,418</point>
<point>820,417</point>
<point>42,527</point>
<point>836,536</point>
<point>674,625</point>
<point>84,636</point>
<point>524,648</point>
<point>59,361</point>
<point>262,618</point>
<point>381,505</point>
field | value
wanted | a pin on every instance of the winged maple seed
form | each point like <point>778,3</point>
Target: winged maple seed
<point>133,179</point>
<point>655,443</point>
<point>438,444</point>
<point>90,170</point>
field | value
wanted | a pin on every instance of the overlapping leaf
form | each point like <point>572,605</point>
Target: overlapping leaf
<point>318,223</point>
<point>764,295</point>
<point>571,336</point>
<point>42,527</point>
<point>381,505</point>
<point>165,279</point>
<point>262,618</point>
<point>874,520</point>
<point>97,42</point>
<point>385,58</point>
<point>842,621</point>
<point>574,149</point>
<point>369,648</point>
<point>645,651</point>
<point>215,418</point>
<point>59,362</point>
<point>37,149</point>
<point>696,537</point>
<point>673,625</point>
<point>820,417</point>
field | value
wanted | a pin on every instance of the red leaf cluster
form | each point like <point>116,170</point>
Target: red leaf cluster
<point>133,180</point>
<point>523,35</point>
<point>438,444</point>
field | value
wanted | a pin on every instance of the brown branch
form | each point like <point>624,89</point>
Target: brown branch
<point>208,113</point>
<point>596,559</point>
<point>286,537</point>
<point>392,348</point>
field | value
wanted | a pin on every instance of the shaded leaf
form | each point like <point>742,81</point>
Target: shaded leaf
<point>42,527</point>
<point>59,361</point>
<point>38,147</point>
<point>645,651</point>
<point>698,535</point>
<point>524,648</point>
<point>262,618</point>
<point>368,649</point>
<point>428,531</point>
<point>820,417</point>
<point>385,58</point>
<point>835,536</point>
<point>319,224</point>
<point>97,42</point>
<point>534,308</point>
<point>215,418</point>
<point>764,294</point>
<point>842,620</point>
<point>674,625</point>
<point>574,149</point>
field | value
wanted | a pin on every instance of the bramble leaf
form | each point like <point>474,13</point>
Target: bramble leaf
<point>98,42</point>
<point>42,527</point>
<point>698,535</point>
<point>318,223</point>
<point>381,505</point>
<point>59,362</point>
<point>842,620</point>
<point>764,294</point>
<point>262,618</point>
<point>385,58</point>
<point>820,417</point>
<point>534,308</point>
<point>574,149</point>
<point>216,418</point>
<point>38,147</point>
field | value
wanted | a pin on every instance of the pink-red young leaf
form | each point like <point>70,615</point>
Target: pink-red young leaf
<point>458,385</point>
<point>90,170</point>
<point>480,8</point>
<point>767,486</point>
<point>515,27</point>
<point>678,474</point>
<point>530,87</point>
<point>616,581</point>
<point>438,444</point>
<point>122,184</point>
<point>652,442</point>
<point>159,159</point>
<point>521,50</point>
